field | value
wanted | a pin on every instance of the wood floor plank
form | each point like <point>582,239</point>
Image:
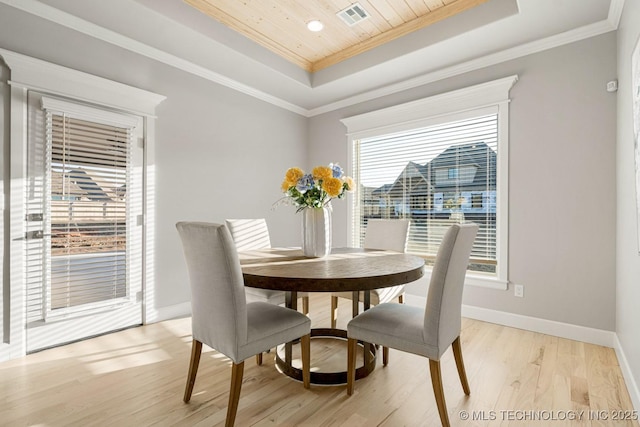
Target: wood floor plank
<point>137,377</point>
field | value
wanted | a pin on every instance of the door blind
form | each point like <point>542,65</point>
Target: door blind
<point>81,262</point>
<point>88,167</point>
<point>435,176</point>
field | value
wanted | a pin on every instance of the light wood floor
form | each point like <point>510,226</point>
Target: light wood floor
<point>136,377</point>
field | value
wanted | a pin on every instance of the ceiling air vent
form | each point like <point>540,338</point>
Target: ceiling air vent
<point>353,14</point>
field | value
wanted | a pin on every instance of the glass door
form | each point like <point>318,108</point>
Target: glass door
<point>84,221</point>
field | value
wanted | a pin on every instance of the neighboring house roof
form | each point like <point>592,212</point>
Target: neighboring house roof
<point>423,179</point>
<point>91,189</point>
<point>58,186</point>
<point>477,154</point>
<point>381,191</point>
<point>412,177</point>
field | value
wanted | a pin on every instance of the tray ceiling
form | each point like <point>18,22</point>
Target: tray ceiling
<point>175,33</point>
<point>281,26</point>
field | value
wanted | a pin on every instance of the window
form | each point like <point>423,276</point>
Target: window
<point>87,212</point>
<point>477,200</point>
<point>471,145</point>
<point>438,161</point>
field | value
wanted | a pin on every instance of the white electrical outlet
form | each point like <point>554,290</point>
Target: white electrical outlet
<point>518,290</point>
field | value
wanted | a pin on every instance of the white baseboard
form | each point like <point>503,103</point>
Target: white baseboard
<point>632,385</point>
<point>534,324</point>
<point>550,327</point>
<point>543,326</point>
<point>175,311</point>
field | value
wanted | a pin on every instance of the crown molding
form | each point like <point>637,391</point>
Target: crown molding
<point>571,36</point>
<point>33,73</point>
<point>44,11</point>
<point>615,12</point>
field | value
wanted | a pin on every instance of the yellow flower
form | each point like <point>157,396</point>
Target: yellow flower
<point>350,184</point>
<point>322,173</point>
<point>333,186</point>
<point>285,186</point>
<point>291,177</point>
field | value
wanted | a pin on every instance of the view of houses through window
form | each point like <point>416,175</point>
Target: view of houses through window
<point>434,176</point>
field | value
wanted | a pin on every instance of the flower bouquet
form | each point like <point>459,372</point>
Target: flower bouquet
<point>312,193</point>
<point>318,188</point>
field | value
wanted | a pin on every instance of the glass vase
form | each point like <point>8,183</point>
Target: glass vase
<point>316,232</point>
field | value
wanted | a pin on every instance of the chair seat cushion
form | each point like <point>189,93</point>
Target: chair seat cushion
<point>269,325</point>
<point>398,326</point>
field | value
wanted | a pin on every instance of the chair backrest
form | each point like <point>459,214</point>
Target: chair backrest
<point>388,234</point>
<point>249,233</point>
<point>442,318</point>
<point>218,305</point>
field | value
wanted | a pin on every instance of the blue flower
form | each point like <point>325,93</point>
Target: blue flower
<point>305,183</point>
<point>337,170</point>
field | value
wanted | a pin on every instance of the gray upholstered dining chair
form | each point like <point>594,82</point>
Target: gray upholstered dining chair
<point>221,317</point>
<point>426,332</point>
<point>387,234</point>
<point>251,234</point>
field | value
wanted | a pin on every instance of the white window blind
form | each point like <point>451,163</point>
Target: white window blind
<point>435,176</point>
<point>88,211</point>
<point>85,210</point>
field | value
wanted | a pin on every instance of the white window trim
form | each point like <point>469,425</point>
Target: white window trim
<point>83,112</point>
<point>29,73</point>
<point>451,106</point>
<point>35,74</point>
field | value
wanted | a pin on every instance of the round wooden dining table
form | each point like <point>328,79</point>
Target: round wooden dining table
<point>345,269</point>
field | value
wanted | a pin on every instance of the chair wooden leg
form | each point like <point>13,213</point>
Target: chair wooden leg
<point>259,359</point>
<point>196,350</point>
<point>457,354</point>
<point>305,347</point>
<point>334,311</point>
<point>401,298</point>
<point>351,364</point>
<point>385,356</point>
<point>305,305</point>
<point>436,382</point>
<point>237,371</point>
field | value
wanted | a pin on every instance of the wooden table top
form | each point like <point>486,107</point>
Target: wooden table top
<point>345,269</point>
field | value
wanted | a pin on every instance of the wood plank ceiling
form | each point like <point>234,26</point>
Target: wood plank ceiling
<point>281,25</point>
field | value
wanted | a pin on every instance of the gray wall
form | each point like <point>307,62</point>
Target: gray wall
<point>562,178</point>
<point>222,154</point>
<point>218,153</point>
<point>628,260</point>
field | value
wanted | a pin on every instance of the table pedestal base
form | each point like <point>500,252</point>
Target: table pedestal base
<point>328,378</point>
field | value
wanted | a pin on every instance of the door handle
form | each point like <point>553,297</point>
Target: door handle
<point>32,235</point>
<point>35,217</point>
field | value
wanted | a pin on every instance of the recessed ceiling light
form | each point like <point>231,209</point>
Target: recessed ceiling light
<point>315,25</point>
